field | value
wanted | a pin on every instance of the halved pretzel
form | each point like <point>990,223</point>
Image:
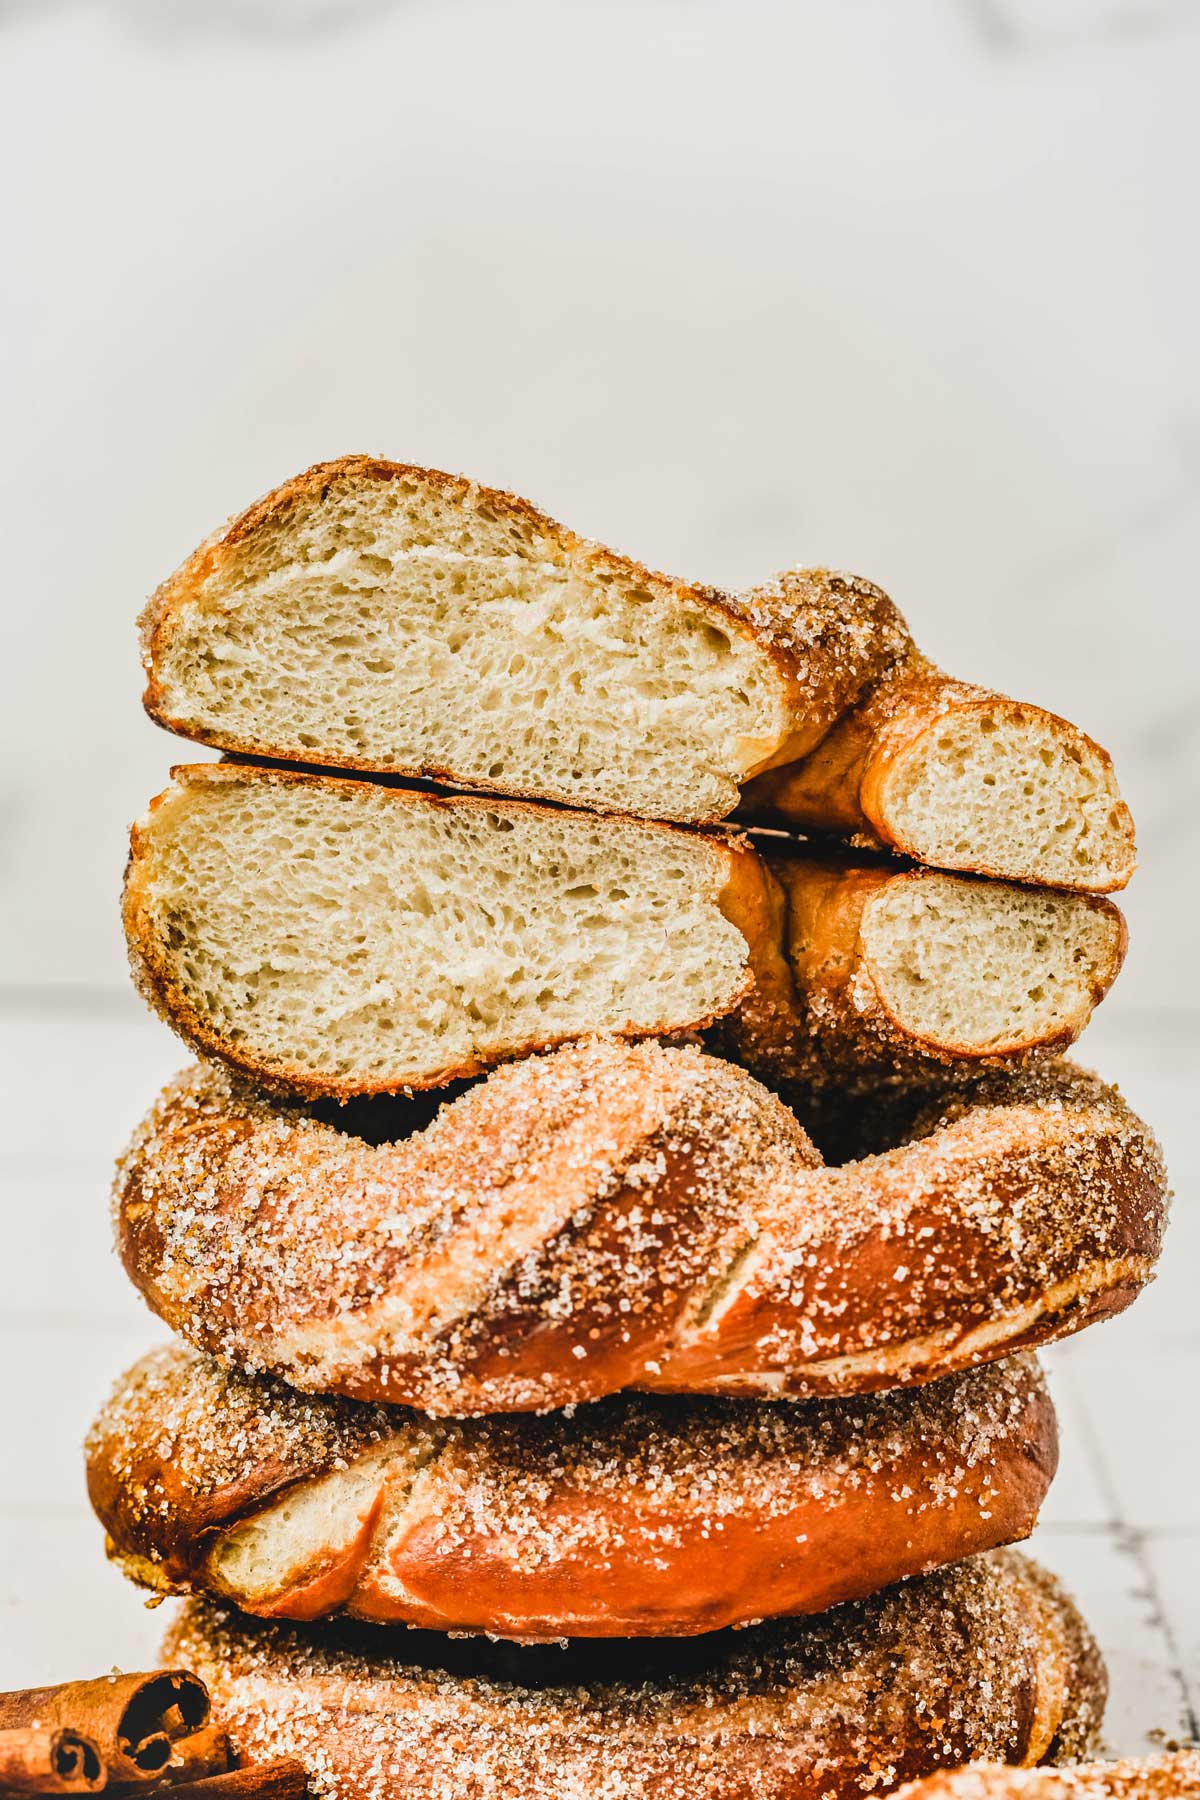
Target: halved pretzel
<point>340,937</point>
<point>378,616</point>
<point>617,1216</point>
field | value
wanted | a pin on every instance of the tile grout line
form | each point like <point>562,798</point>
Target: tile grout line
<point>1133,1539</point>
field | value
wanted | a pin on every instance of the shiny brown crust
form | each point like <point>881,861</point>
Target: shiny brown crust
<point>830,635</point>
<point>618,1215</point>
<point>153,977</point>
<point>1172,1776</point>
<point>987,1659</point>
<point>817,1013</point>
<point>631,1518</point>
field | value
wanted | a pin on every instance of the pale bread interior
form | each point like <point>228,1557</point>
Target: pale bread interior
<point>985,966</point>
<point>390,625</point>
<point>346,931</point>
<point>1002,788</point>
<point>295,1537</point>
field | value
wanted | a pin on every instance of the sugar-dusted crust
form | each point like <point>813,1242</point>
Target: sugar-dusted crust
<point>618,1215</point>
<point>632,1517</point>
<point>829,635</point>
<point>1175,1775</point>
<point>987,1659</point>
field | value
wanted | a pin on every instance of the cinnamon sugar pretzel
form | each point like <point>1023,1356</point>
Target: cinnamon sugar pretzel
<point>986,1659</point>
<point>615,1216</point>
<point>634,1517</point>
<point>377,616</point>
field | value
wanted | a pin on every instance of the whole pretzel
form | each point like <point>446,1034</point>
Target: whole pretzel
<point>636,1517</point>
<point>615,1216</point>
<point>985,1659</point>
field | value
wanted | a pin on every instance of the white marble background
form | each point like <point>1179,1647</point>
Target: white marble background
<point>728,283</point>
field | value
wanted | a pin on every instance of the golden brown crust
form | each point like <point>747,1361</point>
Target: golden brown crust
<point>922,1676</point>
<point>818,1012</point>
<point>1016,1210</point>
<point>634,1517</point>
<point>622,1215</point>
<point>155,981</point>
<point>1172,1776</point>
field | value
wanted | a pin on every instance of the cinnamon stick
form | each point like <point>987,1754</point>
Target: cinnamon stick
<point>133,1721</point>
<point>282,1779</point>
<point>43,1759</point>
<point>200,1754</point>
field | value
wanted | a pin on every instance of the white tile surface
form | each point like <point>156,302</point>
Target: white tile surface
<point>1108,1575</point>
<point>89,1619</point>
<point>1174,1562</point>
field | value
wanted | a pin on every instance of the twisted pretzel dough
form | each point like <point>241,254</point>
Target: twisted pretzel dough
<point>635,1517</point>
<point>987,1659</point>
<point>619,1215</point>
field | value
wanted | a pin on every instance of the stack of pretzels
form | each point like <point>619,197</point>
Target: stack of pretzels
<point>608,1274</point>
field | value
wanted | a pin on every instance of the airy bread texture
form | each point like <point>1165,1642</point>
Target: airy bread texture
<point>986,1659</point>
<point>1051,801</point>
<point>1173,1776</point>
<point>976,970</point>
<point>345,937</point>
<point>599,1523</point>
<point>376,616</point>
<point>618,1215</point>
<point>342,937</point>
<point>867,973</point>
<point>371,615</point>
